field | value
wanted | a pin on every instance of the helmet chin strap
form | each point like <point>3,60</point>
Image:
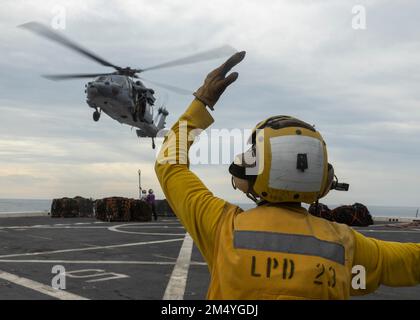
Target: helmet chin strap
<point>233,183</point>
<point>252,197</point>
<point>250,194</point>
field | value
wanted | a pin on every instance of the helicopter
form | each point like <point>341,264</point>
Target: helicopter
<point>121,94</point>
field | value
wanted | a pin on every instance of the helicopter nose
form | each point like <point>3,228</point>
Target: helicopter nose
<point>92,91</point>
<point>104,89</point>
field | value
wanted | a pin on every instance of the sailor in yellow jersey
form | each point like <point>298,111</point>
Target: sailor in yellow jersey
<point>276,250</point>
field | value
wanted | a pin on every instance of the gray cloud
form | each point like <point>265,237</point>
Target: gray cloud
<point>360,88</point>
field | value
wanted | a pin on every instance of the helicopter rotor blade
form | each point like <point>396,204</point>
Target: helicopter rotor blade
<point>50,34</point>
<point>74,76</point>
<point>168,87</point>
<point>202,56</point>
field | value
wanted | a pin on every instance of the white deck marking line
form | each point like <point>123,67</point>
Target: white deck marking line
<point>89,262</point>
<point>38,237</point>
<point>151,223</point>
<point>193,263</point>
<point>126,227</point>
<point>44,226</point>
<point>59,227</point>
<point>89,244</point>
<point>37,286</point>
<point>89,248</point>
<point>115,228</point>
<point>176,285</point>
<point>164,257</point>
<point>153,227</point>
<point>76,227</point>
<point>151,233</point>
<point>157,224</point>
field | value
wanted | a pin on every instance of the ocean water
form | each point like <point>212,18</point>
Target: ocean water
<point>30,205</point>
<point>24,205</point>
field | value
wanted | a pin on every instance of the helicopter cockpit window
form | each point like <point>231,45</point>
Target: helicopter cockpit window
<point>120,80</point>
<point>102,78</point>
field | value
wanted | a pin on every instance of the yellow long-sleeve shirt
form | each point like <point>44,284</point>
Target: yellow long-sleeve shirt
<point>387,263</point>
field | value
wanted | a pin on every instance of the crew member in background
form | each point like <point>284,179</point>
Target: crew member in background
<point>276,250</point>
<point>150,199</point>
<point>143,195</point>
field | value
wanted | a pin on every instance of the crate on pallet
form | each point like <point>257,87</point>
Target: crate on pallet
<point>85,206</point>
<point>122,209</point>
<point>71,207</point>
<point>140,211</point>
<point>163,208</point>
<point>64,208</point>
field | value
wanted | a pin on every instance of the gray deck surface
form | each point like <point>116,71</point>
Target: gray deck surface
<point>120,260</point>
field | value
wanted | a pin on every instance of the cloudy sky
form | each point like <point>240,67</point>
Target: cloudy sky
<point>360,87</point>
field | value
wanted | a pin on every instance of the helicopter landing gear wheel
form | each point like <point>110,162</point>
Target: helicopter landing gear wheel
<point>96,115</point>
<point>134,116</point>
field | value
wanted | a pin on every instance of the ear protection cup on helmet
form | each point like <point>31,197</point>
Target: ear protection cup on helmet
<point>330,179</point>
<point>242,162</point>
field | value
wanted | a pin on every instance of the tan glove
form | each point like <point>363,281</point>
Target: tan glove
<point>216,81</point>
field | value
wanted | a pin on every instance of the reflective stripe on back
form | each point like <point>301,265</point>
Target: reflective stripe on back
<point>289,243</point>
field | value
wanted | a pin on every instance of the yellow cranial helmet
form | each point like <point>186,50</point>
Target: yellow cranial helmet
<point>289,162</point>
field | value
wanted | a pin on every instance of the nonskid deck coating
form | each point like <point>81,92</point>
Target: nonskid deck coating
<point>118,260</point>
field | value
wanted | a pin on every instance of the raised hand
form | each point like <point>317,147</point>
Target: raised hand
<point>216,81</point>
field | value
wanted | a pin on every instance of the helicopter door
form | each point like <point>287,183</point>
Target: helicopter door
<point>148,113</point>
<point>130,89</point>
